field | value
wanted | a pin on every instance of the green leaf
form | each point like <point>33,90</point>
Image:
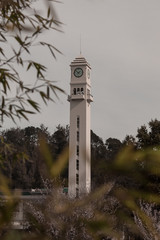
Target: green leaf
<point>3,102</point>
<point>29,65</point>
<point>48,13</point>
<point>43,96</point>
<point>34,104</point>
<point>2,52</point>
<point>48,92</point>
<point>21,112</point>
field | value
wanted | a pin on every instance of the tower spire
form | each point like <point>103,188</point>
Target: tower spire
<point>80,45</point>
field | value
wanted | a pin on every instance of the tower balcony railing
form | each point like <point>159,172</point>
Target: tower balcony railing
<point>77,96</point>
<point>80,96</point>
<point>89,98</point>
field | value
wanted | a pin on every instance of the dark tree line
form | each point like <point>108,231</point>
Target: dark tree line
<point>125,180</point>
<point>22,163</point>
<point>21,159</point>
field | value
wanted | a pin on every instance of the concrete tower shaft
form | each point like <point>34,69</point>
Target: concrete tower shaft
<point>79,142</point>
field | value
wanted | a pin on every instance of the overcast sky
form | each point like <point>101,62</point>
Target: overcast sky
<point>121,41</point>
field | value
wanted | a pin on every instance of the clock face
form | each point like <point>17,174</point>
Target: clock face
<point>78,72</point>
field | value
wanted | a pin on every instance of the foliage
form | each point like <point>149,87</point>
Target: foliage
<point>22,158</point>
<point>101,155</point>
<point>21,26</point>
<point>30,162</point>
<point>122,207</point>
<point>126,206</point>
<point>147,136</point>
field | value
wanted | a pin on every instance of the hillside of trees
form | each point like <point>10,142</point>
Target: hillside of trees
<point>29,171</point>
<point>124,202</point>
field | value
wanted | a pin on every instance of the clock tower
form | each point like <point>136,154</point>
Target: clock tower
<point>80,99</point>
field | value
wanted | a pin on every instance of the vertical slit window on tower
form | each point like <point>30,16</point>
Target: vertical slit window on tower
<point>77,178</point>
<point>77,192</point>
<point>77,136</point>
<point>77,150</point>
<point>77,164</point>
<point>78,121</point>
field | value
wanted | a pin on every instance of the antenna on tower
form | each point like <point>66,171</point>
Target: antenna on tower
<point>80,45</point>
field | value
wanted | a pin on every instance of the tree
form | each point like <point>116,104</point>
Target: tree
<point>146,137</point>
<point>59,139</point>
<point>98,160</point>
<point>113,146</point>
<point>129,141</point>
<point>149,137</point>
<point>21,25</point>
<point>22,160</point>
